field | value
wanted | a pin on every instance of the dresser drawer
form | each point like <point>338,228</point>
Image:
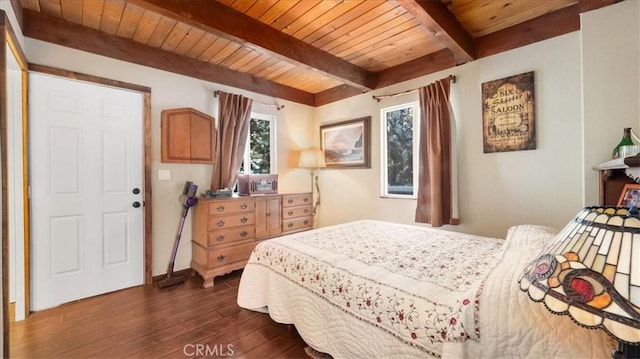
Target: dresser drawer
<point>228,255</point>
<point>299,211</point>
<point>230,206</point>
<point>230,235</point>
<point>225,230</point>
<point>296,224</point>
<point>232,220</point>
<point>289,200</point>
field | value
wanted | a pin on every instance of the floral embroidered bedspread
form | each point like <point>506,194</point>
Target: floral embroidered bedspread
<point>418,284</point>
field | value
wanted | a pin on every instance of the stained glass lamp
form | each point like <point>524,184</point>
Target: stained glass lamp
<point>591,272</point>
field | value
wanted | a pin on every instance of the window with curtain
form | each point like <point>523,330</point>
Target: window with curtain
<point>399,134</point>
<point>260,151</point>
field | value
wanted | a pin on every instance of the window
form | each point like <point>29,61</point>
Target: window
<point>400,136</point>
<point>260,151</point>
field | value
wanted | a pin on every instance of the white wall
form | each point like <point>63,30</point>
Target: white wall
<point>611,82</point>
<point>5,5</point>
<point>13,115</point>
<point>497,190</point>
<point>15,185</point>
<point>294,127</point>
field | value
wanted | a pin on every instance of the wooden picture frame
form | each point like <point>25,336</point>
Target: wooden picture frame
<point>347,144</point>
<point>630,195</point>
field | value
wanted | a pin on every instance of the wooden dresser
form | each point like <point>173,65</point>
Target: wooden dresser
<point>225,230</point>
<point>297,212</point>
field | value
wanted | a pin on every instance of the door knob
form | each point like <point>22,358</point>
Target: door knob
<point>136,204</point>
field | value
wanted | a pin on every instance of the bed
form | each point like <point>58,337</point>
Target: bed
<point>374,289</point>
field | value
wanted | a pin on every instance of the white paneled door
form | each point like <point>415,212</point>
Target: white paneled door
<point>87,166</point>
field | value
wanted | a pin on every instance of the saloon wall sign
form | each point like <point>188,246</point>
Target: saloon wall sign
<point>508,114</point>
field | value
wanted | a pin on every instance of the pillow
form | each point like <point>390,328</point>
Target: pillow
<point>529,238</point>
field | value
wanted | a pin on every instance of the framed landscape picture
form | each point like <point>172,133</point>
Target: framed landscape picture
<point>347,144</point>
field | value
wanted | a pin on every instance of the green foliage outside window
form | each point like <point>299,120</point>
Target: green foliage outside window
<point>400,151</point>
<point>260,146</point>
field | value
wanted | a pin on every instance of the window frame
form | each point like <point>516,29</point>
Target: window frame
<point>246,157</point>
<point>384,185</point>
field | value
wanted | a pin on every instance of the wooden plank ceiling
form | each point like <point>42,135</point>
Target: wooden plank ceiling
<point>307,51</point>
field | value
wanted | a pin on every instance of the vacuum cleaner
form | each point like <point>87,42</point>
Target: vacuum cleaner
<point>188,200</point>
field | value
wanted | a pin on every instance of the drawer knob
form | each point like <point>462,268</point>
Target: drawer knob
<point>221,258</point>
<point>244,206</point>
<point>306,210</point>
<point>220,223</point>
<point>290,225</point>
<point>290,213</point>
<point>290,201</point>
<point>220,208</point>
<point>244,219</point>
<point>244,234</point>
<point>306,199</point>
<point>220,238</point>
<point>306,221</point>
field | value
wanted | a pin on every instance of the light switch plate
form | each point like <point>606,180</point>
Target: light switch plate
<point>164,175</point>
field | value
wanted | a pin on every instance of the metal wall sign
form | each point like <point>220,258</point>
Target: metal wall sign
<point>508,114</point>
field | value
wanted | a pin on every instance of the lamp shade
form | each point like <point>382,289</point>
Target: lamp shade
<point>311,159</point>
<point>591,271</point>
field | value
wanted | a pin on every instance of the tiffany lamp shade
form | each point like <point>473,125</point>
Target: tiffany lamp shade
<point>591,272</point>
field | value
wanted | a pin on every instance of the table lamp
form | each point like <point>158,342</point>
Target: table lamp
<point>313,159</point>
<point>591,272</point>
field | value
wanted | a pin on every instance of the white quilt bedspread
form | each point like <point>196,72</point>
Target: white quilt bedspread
<point>412,286</point>
<point>371,289</point>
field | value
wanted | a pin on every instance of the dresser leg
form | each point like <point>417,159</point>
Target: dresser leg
<point>207,282</point>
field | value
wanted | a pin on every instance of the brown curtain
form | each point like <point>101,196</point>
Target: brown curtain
<point>436,204</point>
<point>233,129</point>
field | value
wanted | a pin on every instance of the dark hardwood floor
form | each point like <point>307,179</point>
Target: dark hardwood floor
<point>182,321</point>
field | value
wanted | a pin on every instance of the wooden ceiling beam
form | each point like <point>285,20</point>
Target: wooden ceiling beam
<point>428,64</point>
<point>588,5</point>
<point>61,32</point>
<point>541,28</point>
<point>336,94</point>
<point>233,25</point>
<point>435,16</point>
